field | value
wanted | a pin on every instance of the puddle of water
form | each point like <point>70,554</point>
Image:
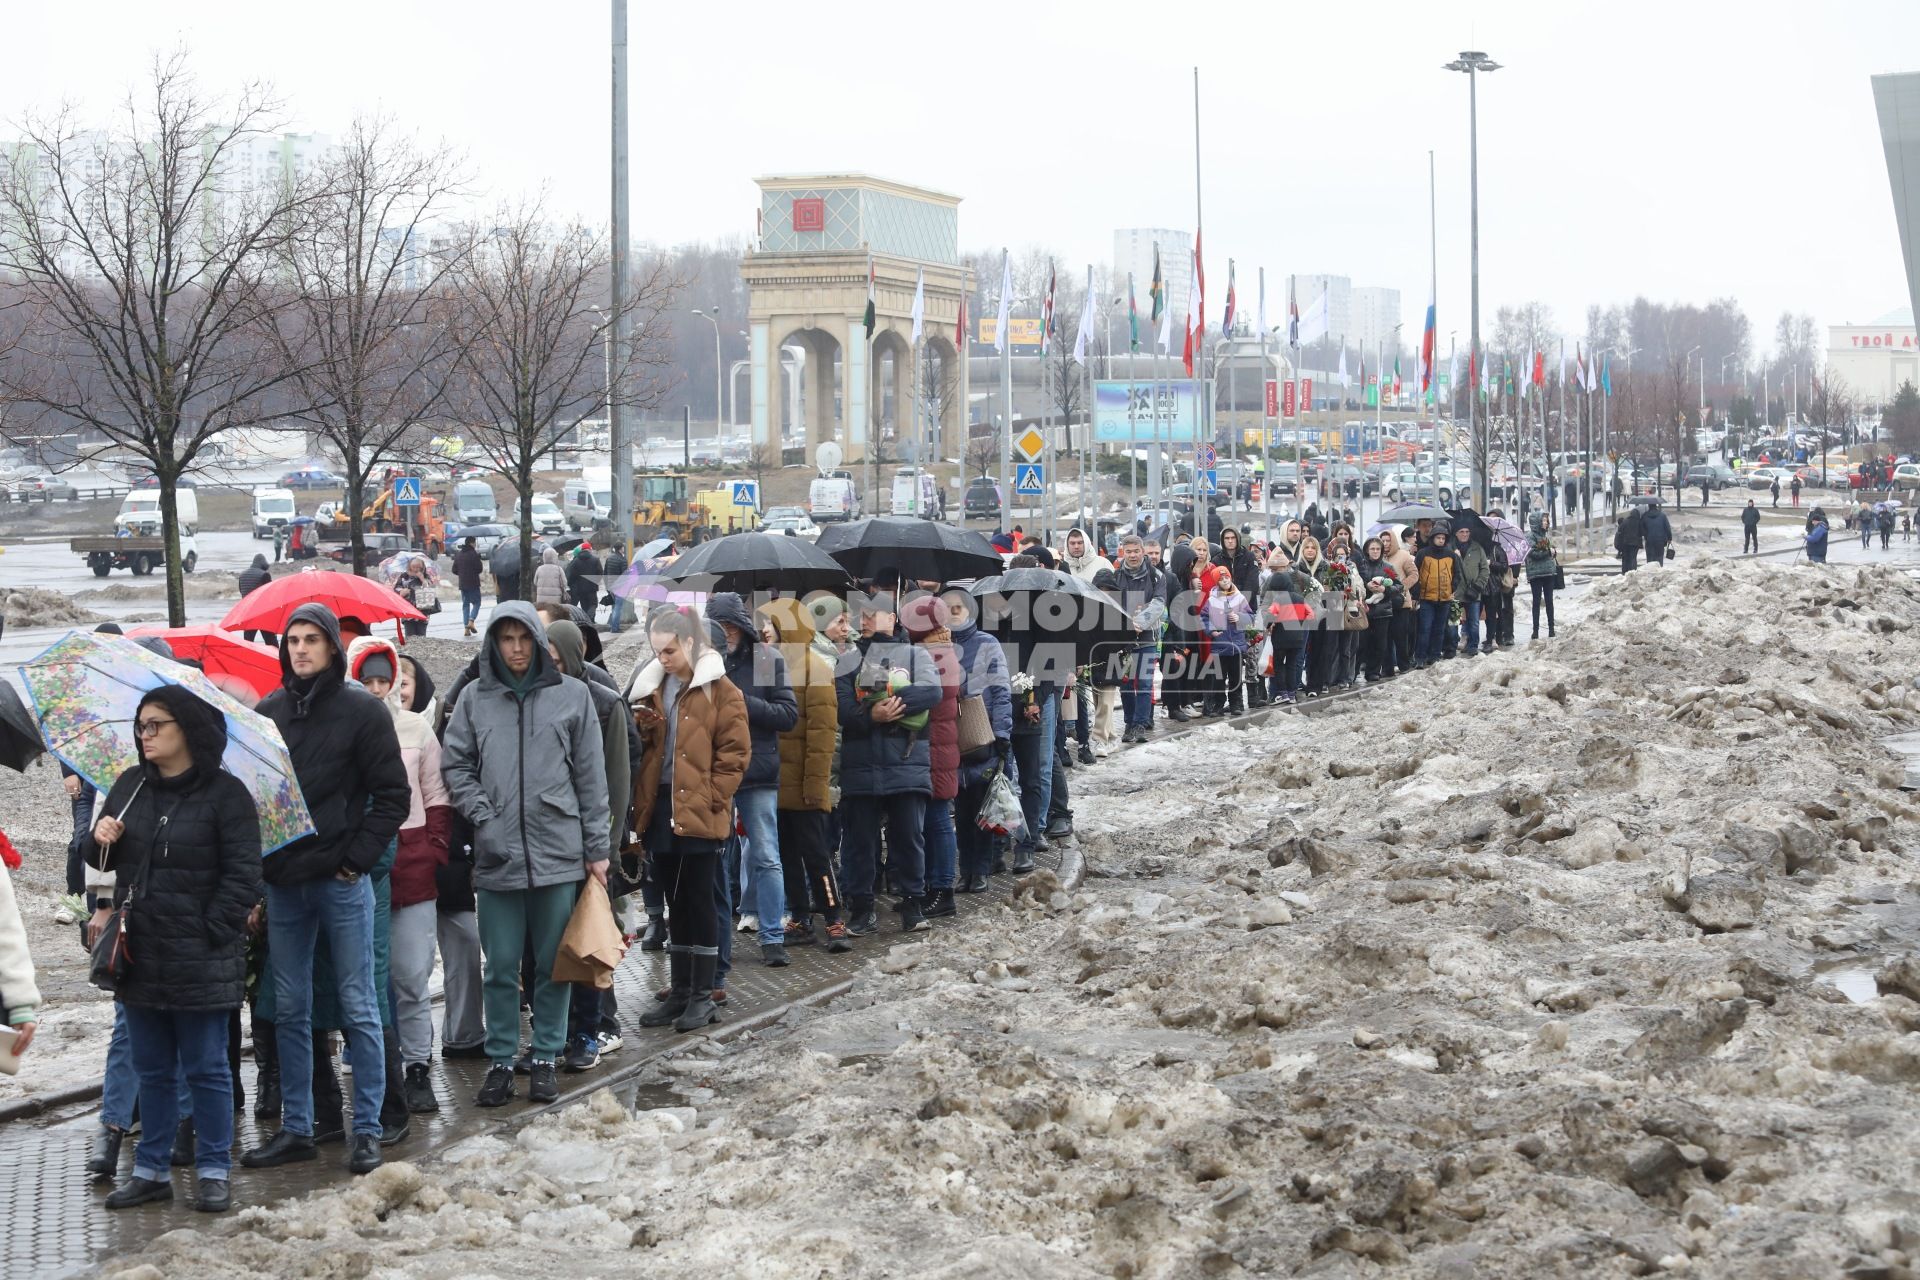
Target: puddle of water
<point>637,1097</point>
<point>1853,978</point>
<point>1908,745</point>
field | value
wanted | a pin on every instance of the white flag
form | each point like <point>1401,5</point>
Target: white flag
<point>1453,372</point>
<point>1086,323</point>
<point>1314,324</point>
<point>1263,302</point>
<point>1006,301</point>
<point>1165,337</point>
<point>1563,360</point>
<point>1345,379</point>
<point>919,300</point>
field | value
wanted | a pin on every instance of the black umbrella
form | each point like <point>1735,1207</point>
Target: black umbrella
<point>1469,519</point>
<point>20,743</point>
<point>505,559</point>
<point>746,562</point>
<point>920,550</point>
<point>1051,616</point>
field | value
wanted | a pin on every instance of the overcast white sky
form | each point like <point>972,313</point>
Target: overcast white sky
<point>1678,149</point>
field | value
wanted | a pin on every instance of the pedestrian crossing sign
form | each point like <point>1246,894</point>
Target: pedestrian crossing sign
<point>746,493</point>
<point>406,491</point>
<point>1210,481</point>
<point>1029,479</point>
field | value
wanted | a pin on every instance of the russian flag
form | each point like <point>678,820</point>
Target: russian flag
<point>1426,347</point>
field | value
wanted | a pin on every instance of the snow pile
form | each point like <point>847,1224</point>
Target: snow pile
<point>38,607</point>
<point>1511,968</point>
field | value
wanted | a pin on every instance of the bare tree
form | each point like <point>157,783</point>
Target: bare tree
<point>983,453</point>
<point>360,341</point>
<point>146,255</point>
<point>527,338</point>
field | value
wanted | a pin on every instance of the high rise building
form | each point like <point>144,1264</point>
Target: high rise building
<point>1375,312</point>
<point>1133,251</point>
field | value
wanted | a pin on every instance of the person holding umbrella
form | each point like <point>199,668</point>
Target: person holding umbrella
<point>346,756</point>
<point>886,767</point>
<point>183,837</point>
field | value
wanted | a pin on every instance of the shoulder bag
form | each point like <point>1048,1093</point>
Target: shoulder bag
<point>974,729</point>
<point>112,956</point>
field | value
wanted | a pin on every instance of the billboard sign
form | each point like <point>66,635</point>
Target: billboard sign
<point>1174,408</point>
<point>1024,331</point>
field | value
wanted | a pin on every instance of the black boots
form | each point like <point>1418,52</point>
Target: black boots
<point>266,1084</point>
<point>182,1157</point>
<point>699,1010</point>
<point>138,1191</point>
<point>911,921</point>
<point>669,1007</point>
<point>655,938</point>
<point>419,1090</point>
<point>282,1148</point>
<point>938,903</point>
<point>104,1160</point>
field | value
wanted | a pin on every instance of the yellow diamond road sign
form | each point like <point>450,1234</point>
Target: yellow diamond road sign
<point>1030,442</point>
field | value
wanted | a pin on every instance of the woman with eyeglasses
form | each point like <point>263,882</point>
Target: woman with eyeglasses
<point>183,839</point>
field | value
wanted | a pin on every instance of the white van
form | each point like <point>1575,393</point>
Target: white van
<point>587,500</point>
<point>272,509</point>
<point>916,493</point>
<point>833,498</point>
<point>140,512</point>
<point>473,503</point>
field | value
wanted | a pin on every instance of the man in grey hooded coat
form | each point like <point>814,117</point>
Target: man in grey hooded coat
<point>524,762</point>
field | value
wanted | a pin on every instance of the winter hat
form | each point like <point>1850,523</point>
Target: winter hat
<point>375,666</point>
<point>824,610</point>
<point>923,615</point>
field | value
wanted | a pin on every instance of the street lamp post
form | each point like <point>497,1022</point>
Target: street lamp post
<point>1679,470</point>
<point>719,428</point>
<point>1473,62</point>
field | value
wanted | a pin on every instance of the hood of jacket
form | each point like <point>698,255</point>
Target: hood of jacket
<point>259,560</point>
<point>1085,564</point>
<point>423,686</point>
<point>549,556</point>
<point>364,647</point>
<point>565,638</point>
<point>204,729</point>
<point>303,693</point>
<point>728,607</point>
<point>493,671</point>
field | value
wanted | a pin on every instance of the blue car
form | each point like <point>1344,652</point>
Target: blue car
<point>311,478</point>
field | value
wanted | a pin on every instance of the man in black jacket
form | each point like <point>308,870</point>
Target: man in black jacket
<point>466,571</point>
<point>1626,540</point>
<point>1750,525</point>
<point>760,673</point>
<point>252,578</point>
<point>346,757</point>
<point>1657,531</point>
<point>583,580</point>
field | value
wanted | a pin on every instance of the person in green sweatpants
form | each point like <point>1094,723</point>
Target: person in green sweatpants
<point>523,762</point>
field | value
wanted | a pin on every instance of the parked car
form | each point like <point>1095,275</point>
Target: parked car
<point>1906,476</point>
<point>784,520</point>
<point>1763,477</point>
<point>44,488</point>
<point>1711,474</point>
<point>545,515</point>
<point>982,497</point>
<point>379,547</point>
<point>311,478</point>
<point>485,536</point>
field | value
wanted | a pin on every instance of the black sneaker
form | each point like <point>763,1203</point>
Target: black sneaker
<point>911,921</point>
<point>497,1087</point>
<point>523,1064</point>
<point>582,1055</point>
<point>543,1085</point>
<point>419,1090</point>
<point>800,933</point>
<point>938,904</point>
<point>1086,753</point>
<point>392,1135</point>
<point>364,1156</point>
<point>215,1196</point>
<point>773,955</point>
<point>838,943</point>
<point>138,1190</point>
<point>863,923</point>
<point>1060,828</point>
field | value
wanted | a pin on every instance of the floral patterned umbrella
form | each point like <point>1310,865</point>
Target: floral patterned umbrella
<point>85,690</point>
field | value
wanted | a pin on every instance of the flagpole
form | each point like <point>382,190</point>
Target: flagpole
<point>1563,404</point>
<point>1266,440</point>
<point>1204,424</point>
<point>1006,394</point>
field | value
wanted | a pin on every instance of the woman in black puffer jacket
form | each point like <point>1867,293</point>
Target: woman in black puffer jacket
<point>183,839</point>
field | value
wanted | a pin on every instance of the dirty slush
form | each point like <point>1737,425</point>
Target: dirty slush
<point>1523,969</point>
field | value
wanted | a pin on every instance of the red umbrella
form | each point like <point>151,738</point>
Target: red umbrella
<point>348,595</point>
<point>220,653</point>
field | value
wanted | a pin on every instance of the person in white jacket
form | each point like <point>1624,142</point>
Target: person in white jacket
<point>19,997</point>
<point>1095,705</point>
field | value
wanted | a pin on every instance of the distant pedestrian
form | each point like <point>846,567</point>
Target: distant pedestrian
<point>1750,528</point>
<point>466,572</point>
<point>252,578</point>
<point>1627,536</point>
<point>1796,490</point>
<point>1657,531</point>
<point>1774,487</point>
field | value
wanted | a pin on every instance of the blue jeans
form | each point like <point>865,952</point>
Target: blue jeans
<point>1136,691</point>
<point>1289,670</point>
<point>1033,755</point>
<point>1428,640</point>
<point>296,913</point>
<point>904,812</point>
<point>469,608</point>
<point>943,845</point>
<point>170,1045</point>
<point>122,1082</point>
<point>975,845</point>
<point>765,887</point>
<point>1470,625</point>
<point>726,900</point>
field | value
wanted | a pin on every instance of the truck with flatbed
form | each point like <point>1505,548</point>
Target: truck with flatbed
<point>142,555</point>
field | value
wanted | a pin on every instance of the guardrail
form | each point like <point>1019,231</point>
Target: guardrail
<point>77,495</point>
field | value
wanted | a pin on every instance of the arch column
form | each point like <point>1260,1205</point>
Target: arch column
<point>765,371</point>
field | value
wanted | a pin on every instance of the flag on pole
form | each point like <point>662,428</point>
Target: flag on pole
<point>1046,314</point>
<point>1525,380</point>
<point>1226,325</point>
<point>1196,306</point>
<point>1427,339</point>
<point>1086,322</point>
<point>1314,325</point>
<point>1563,361</point>
<point>1506,368</point>
<point>1133,317</point>
<point>960,327</point>
<point>1157,291</point>
<point>1263,303</point>
<point>869,297</point>
<point>1606,376</point>
<point>1006,302</point>
<point>919,302</point>
<point>1396,373</point>
<point>1293,315</point>
<point>1539,368</point>
<point>1344,380</point>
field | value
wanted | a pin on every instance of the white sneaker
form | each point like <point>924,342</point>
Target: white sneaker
<point>610,1042</point>
<point>63,916</point>
<point>748,924</point>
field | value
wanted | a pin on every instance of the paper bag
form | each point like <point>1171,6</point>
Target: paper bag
<point>592,947</point>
